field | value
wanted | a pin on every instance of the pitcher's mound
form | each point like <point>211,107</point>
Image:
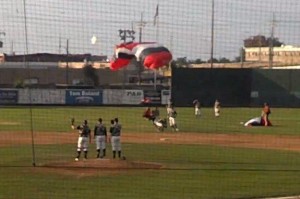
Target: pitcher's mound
<point>98,166</point>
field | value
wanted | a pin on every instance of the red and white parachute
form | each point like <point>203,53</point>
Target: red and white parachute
<point>152,55</point>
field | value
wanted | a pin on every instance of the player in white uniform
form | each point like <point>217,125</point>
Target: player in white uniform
<point>217,107</point>
<point>83,140</point>
<point>257,121</point>
<point>100,136</point>
<point>197,108</point>
<point>115,131</point>
<point>172,114</point>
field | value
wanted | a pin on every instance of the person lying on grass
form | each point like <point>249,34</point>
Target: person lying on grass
<point>257,121</point>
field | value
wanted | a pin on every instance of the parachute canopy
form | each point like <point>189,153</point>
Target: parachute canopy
<point>152,55</point>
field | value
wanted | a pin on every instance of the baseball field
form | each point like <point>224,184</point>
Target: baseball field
<point>207,158</point>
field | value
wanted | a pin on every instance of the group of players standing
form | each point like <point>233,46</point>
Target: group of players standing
<point>100,137</point>
<point>197,105</point>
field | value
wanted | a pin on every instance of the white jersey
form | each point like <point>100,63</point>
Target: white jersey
<point>217,108</point>
<point>197,109</point>
<point>171,112</point>
<point>254,121</point>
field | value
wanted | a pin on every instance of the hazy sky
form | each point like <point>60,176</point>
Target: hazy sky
<point>183,26</point>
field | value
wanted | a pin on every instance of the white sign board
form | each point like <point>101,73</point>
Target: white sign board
<point>165,96</point>
<point>122,97</point>
<point>41,96</point>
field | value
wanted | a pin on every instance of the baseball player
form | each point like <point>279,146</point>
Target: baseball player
<point>83,140</point>
<point>155,112</point>
<point>115,131</point>
<point>217,107</point>
<point>197,108</point>
<point>100,136</point>
<point>148,114</point>
<point>171,116</point>
<point>72,123</point>
<point>266,111</point>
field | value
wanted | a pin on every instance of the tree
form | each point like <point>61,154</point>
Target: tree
<point>276,42</point>
<point>196,61</point>
<point>224,60</point>
<point>261,41</point>
<point>182,62</point>
<point>214,60</point>
<point>90,75</point>
<point>237,59</point>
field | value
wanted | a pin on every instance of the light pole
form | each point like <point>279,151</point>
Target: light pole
<point>67,63</point>
<point>124,34</point>
<point>271,46</point>
<point>212,33</point>
<point>65,58</point>
<point>141,25</point>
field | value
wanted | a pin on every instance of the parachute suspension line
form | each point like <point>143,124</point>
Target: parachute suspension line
<point>29,77</point>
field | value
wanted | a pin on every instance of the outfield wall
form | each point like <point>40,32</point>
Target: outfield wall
<point>232,87</point>
<point>236,87</point>
<point>82,96</point>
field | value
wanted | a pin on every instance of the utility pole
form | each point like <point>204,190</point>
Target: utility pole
<point>242,54</point>
<point>67,63</point>
<point>59,45</point>
<point>12,48</point>
<point>141,25</point>
<point>212,33</point>
<point>271,46</point>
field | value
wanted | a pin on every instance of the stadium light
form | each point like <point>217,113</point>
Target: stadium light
<point>124,34</point>
<point>93,39</point>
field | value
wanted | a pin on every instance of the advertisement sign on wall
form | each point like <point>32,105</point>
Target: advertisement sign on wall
<point>112,96</point>
<point>8,96</point>
<point>165,96</point>
<point>41,96</point>
<point>133,97</point>
<point>88,97</point>
<point>122,97</point>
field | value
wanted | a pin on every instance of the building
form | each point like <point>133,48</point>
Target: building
<point>49,70</point>
<point>284,55</point>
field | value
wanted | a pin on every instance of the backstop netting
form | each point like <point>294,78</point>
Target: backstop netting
<point>54,75</point>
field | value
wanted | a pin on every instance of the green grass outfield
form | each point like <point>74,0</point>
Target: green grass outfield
<point>196,171</point>
<point>286,121</point>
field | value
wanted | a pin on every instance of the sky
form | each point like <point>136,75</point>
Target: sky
<point>185,27</point>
